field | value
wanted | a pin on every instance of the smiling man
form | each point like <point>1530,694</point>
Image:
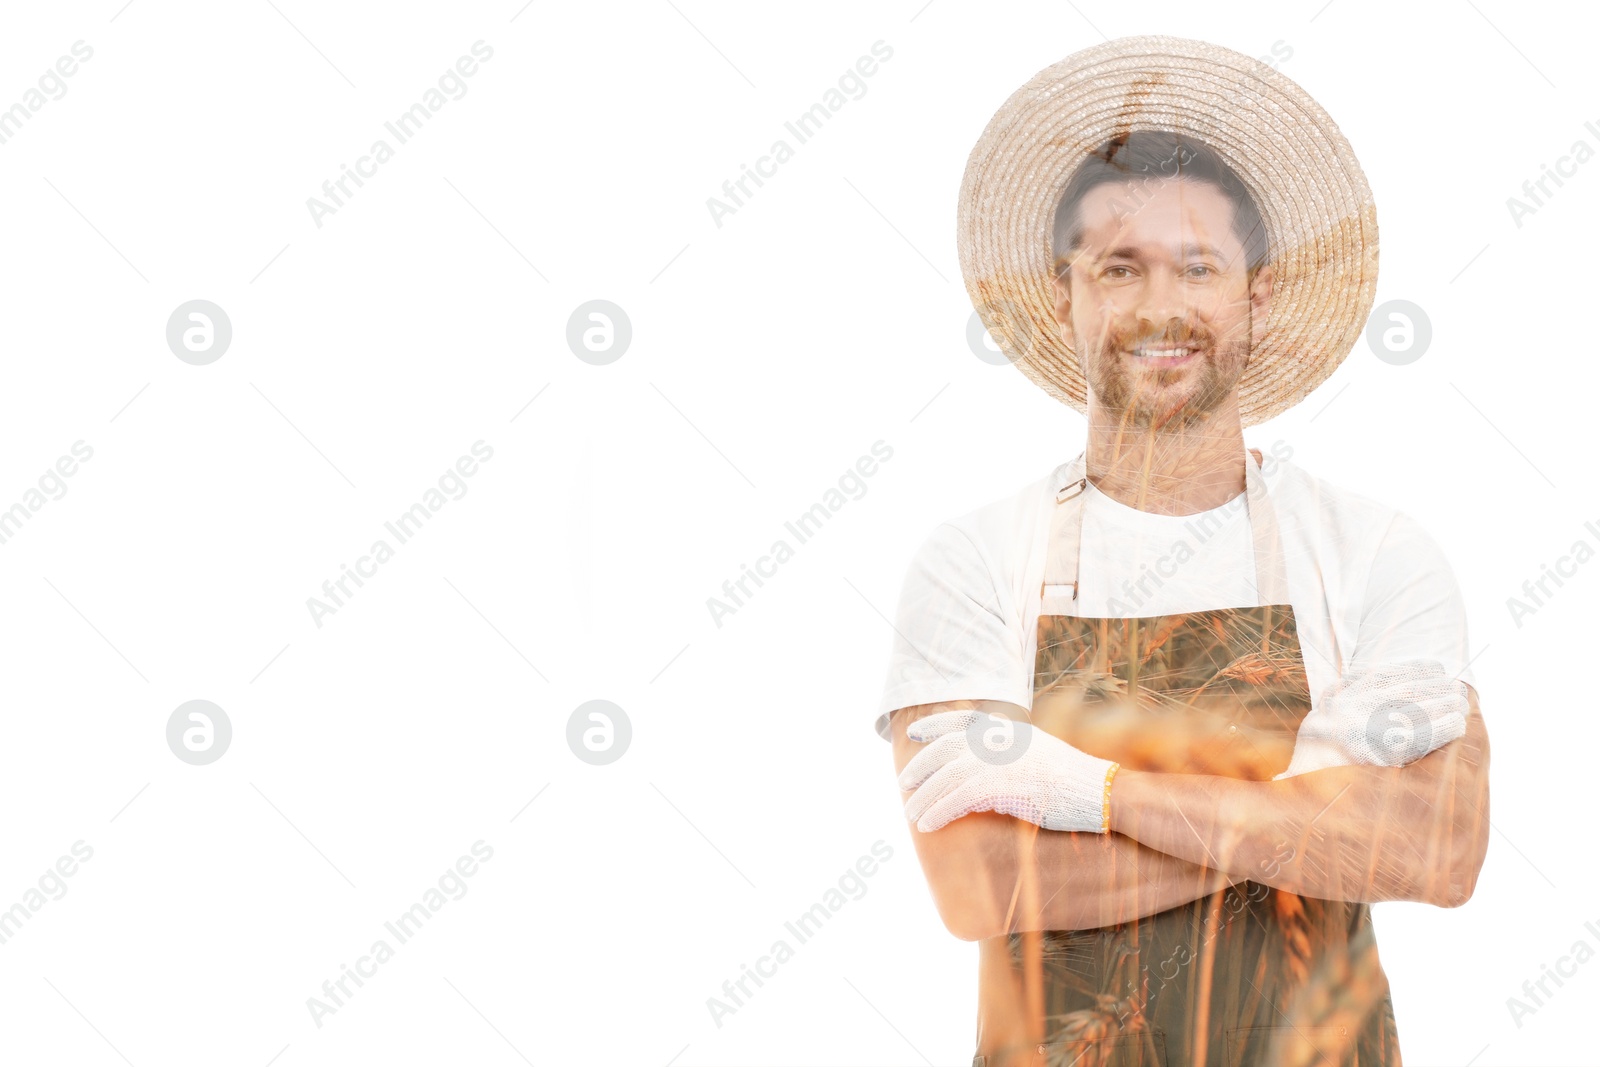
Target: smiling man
<point>1164,825</point>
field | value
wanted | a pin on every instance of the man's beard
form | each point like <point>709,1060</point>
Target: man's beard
<point>1112,375</point>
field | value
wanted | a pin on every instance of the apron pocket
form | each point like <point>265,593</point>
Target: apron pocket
<point>1302,1046</point>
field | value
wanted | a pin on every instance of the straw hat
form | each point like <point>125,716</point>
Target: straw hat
<point>1321,222</point>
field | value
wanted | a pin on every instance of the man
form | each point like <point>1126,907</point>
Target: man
<point>1169,719</point>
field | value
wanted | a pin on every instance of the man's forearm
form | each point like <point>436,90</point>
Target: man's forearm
<point>996,874</point>
<point>1357,833</point>
<point>992,874</point>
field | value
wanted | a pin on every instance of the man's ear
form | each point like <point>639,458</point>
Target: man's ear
<point>1062,303</point>
<point>1261,287</point>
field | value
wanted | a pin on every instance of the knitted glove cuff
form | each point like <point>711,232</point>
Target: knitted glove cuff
<point>1083,809</point>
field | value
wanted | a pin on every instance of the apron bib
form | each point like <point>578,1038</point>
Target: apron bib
<point>1244,976</point>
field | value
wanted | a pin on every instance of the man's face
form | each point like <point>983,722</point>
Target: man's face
<point>1157,304</point>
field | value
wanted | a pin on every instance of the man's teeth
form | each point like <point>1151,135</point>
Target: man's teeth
<point>1161,353</point>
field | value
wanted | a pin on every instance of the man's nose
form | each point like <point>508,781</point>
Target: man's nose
<point>1164,299</point>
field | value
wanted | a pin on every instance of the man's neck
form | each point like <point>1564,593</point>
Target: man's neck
<point>1167,471</point>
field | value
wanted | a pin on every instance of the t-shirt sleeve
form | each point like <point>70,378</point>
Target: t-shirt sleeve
<point>954,638</point>
<point>1413,608</point>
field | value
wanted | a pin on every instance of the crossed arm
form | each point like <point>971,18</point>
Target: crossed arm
<point>1358,833</point>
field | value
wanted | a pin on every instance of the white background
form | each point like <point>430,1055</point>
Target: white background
<point>768,354</point>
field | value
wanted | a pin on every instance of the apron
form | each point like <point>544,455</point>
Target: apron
<point>1246,975</point>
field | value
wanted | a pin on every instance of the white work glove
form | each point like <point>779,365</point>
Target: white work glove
<point>1386,715</point>
<point>981,762</point>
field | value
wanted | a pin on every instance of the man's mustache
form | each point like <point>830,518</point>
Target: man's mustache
<point>1195,336</point>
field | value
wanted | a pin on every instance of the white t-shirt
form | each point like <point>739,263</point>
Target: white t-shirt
<point>1367,584</point>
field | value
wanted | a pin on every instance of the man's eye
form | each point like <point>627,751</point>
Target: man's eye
<point>1110,272</point>
<point>1201,267</point>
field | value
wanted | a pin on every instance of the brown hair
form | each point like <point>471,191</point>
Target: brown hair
<point>1154,157</point>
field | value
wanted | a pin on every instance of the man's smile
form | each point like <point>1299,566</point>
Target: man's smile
<point>1163,356</point>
